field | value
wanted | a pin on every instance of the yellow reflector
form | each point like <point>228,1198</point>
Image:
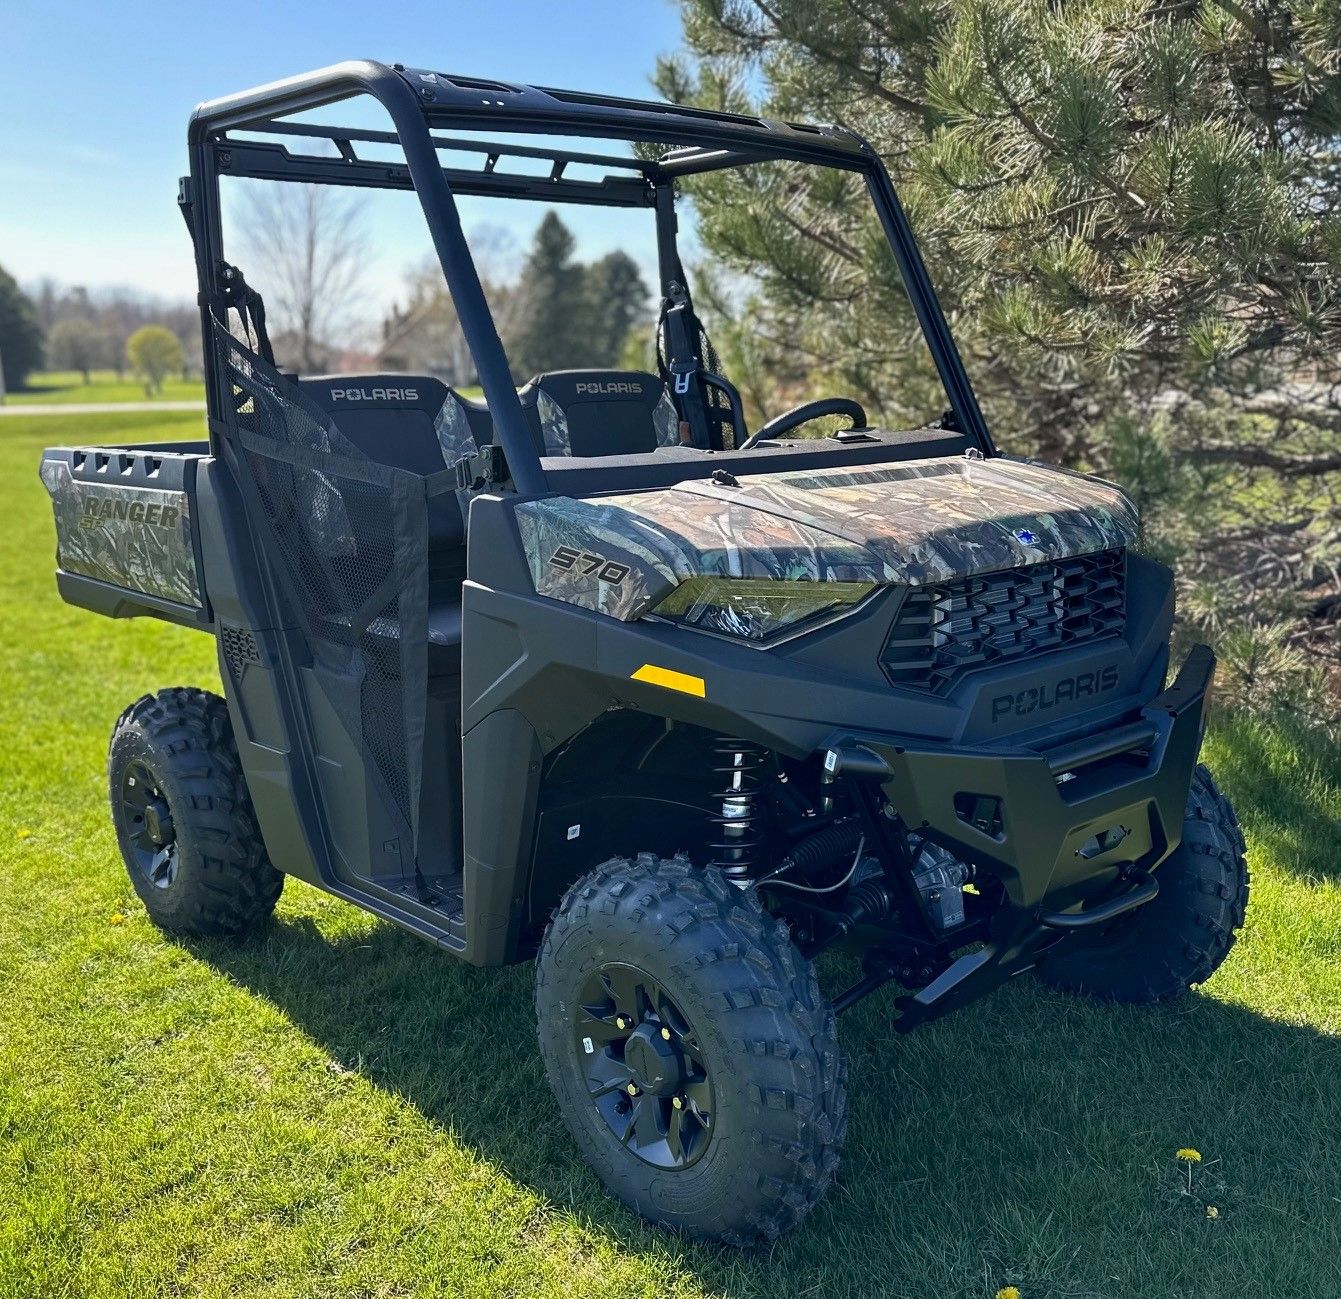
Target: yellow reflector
<point>681,681</point>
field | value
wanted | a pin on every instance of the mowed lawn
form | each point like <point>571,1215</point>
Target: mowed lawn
<point>67,387</point>
<point>332,1108</point>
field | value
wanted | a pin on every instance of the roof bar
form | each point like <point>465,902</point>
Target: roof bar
<point>337,133</point>
<point>260,161</point>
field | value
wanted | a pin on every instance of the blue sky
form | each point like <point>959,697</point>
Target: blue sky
<point>95,98</point>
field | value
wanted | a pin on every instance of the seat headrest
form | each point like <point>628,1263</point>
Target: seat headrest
<point>377,412</point>
<point>337,393</point>
<point>572,387</point>
<point>601,412</point>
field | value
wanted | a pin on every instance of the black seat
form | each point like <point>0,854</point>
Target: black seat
<point>417,423</point>
<point>410,421</point>
<point>599,413</point>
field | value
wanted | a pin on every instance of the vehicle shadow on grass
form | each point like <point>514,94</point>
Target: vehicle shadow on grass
<point>1029,1136</point>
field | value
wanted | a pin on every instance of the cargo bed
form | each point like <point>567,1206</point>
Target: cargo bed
<point>127,542</point>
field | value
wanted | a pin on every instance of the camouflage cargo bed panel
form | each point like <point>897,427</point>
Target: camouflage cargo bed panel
<point>124,517</point>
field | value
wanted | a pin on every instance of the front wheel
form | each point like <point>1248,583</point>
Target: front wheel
<point>691,1053</point>
<point>1179,939</point>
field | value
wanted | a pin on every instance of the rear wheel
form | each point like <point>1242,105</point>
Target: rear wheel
<point>692,1055</point>
<point>1181,937</point>
<point>183,817</point>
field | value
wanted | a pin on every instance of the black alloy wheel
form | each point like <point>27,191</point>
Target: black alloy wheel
<point>690,1050</point>
<point>644,1066</point>
<point>151,837</point>
<point>183,816</point>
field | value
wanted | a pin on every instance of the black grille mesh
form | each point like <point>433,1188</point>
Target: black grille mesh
<point>945,631</point>
<point>239,648</point>
<point>347,540</point>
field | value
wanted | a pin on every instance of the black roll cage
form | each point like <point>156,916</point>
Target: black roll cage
<point>419,101</point>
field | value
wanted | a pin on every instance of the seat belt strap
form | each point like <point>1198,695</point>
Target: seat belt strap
<point>682,364</point>
<point>250,308</point>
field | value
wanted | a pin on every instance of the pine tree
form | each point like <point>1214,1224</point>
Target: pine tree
<point>20,334</point>
<point>618,299</point>
<point>1132,213</point>
<point>555,325</point>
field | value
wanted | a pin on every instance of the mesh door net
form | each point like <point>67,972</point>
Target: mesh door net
<point>347,541</point>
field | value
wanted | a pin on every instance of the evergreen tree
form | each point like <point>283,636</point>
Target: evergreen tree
<point>554,327</point>
<point>20,334</point>
<point>1132,213</point>
<point>618,301</point>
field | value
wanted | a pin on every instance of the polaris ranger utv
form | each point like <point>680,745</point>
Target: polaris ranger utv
<point>590,672</point>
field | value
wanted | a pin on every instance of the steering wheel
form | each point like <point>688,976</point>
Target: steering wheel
<point>803,414</point>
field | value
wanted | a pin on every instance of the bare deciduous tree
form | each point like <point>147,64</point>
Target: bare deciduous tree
<point>305,247</point>
<point>426,336</point>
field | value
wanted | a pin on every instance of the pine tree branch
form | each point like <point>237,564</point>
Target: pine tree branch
<point>834,60</point>
<point>1306,466</point>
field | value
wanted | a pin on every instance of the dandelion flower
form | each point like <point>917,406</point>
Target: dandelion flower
<point>1008,1292</point>
<point>118,918</point>
<point>1212,1211</point>
<point>1188,1155</point>
<point>25,833</point>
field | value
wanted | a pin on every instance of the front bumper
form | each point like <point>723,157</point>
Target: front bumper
<point>1073,833</point>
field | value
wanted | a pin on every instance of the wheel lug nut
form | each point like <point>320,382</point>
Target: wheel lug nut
<point>666,1034</point>
<point>622,1021</point>
<point>677,1102</point>
<point>632,1089</point>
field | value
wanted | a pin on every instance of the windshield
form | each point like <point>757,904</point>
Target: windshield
<point>650,301</point>
<point>791,271</point>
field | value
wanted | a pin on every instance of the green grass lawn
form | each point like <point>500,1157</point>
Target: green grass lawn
<point>333,1108</point>
<point>58,387</point>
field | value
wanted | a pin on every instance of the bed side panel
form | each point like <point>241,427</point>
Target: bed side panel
<point>125,521</point>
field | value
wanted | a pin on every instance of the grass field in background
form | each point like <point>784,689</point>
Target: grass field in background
<point>333,1108</point>
<point>59,387</point>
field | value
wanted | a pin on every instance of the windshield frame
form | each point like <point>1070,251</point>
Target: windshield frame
<point>223,140</point>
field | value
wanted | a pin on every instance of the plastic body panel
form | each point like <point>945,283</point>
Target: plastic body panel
<point>125,523</point>
<point>561,667</point>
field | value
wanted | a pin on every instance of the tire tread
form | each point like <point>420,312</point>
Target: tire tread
<point>782,1031</point>
<point>227,882</point>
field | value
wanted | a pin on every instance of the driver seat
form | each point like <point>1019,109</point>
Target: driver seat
<point>599,413</point>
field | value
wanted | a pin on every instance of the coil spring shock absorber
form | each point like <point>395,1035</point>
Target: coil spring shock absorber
<point>735,812</point>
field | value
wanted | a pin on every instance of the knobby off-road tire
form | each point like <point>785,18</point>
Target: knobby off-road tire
<point>174,774</point>
<point>750,1015</point>
<point>1181,937</point>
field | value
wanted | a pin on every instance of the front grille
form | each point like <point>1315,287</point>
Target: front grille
<point>946,631</point>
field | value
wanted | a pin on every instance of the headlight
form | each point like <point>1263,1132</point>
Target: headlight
<point>757,609</point>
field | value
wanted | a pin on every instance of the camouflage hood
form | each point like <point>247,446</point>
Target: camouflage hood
<point>913,523</point>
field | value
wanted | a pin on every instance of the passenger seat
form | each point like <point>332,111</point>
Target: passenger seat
<point>418,423</point>
<point>599,413</point>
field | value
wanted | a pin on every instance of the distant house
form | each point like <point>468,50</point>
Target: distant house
<point>426,338</point>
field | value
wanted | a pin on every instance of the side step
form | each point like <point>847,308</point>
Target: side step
<point>440,921</point>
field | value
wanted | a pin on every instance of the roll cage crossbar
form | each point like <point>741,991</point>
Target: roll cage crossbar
<point>222,141</point>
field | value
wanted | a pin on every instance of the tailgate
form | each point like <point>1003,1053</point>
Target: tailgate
<point>126,539</point>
